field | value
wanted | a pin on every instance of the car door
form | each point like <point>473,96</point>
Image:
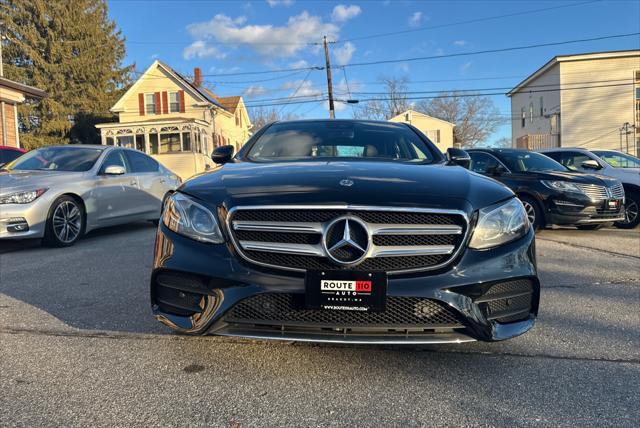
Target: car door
<point>116,194</point>
<point>152,183</point>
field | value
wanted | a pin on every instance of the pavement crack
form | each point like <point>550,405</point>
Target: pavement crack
<point>586,247</point>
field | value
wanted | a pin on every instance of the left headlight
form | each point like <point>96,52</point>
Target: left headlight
<point>562,186</point>
<point>22,197</point>
<point>188,218</point>
<point>499,224</point>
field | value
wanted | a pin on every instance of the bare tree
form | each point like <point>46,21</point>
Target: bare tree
<point>504,142</point>
<point>393,102</point>
<point>260,116</point>
<point>475,117</point>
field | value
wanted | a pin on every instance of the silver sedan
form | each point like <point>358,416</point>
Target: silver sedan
<point>59,193</point>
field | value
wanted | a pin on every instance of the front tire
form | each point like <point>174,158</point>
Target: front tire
<point>65,224</point>
<point>632,211</point>
<point>534,212</point>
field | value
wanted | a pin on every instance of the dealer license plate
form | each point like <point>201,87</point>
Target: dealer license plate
<point>346,291</point>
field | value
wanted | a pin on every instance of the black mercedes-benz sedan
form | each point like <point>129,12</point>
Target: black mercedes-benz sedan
<point>551,193</point>
<point>345,231</point>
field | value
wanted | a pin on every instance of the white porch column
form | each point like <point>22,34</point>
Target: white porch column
<point>147,147</point>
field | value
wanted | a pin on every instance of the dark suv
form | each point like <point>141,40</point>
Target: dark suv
<point>550,192</point>
<point>345,231</point>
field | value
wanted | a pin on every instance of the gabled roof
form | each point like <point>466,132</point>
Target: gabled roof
<point>196,92</point>
<point>417,113</point>
<point>27,90</point>
<point>576,57</point>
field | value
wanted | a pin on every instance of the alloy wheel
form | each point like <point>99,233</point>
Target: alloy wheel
<point>631,211</point>
<point>67,222</point>
<point>531,212</point>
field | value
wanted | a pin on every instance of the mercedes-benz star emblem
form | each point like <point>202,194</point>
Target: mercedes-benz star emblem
<point>346,240</point>
<point>346,182</point>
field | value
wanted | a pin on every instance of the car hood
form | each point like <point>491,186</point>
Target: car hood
<point>576,177</point>
<point>15,181</point>
<point>367,183</point>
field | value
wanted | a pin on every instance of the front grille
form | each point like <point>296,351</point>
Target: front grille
<point>617,191</point>
<point>593,191</point>
<point>285,309</point>
<point>402,240</point>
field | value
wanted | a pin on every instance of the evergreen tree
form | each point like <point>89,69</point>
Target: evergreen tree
<point>74,52</point>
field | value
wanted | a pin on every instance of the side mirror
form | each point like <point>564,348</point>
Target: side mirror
<point>458,157</point>
<point>222,154</point>
<point>114,170</point>
<point>591,164</point>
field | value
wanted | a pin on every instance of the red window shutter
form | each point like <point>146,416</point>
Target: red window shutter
<point>141,104</point>
<point>158,104</point>
<point>165,102</point>
<point>181,98</point>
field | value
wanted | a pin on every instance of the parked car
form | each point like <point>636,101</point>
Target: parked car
<point>345,231</point>
<point>59,193</point>
<point>7,154</point>
<point>550,192</point>
<point>612,163</point>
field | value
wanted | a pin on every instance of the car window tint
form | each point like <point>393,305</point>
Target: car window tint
<point>572,160</point>
<point>114,158</point>
<point>482,162</point>
<point>619,160</point>
<point>140,162</point>
<point>9,155</point>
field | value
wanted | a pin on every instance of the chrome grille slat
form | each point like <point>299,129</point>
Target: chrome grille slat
<point>406,239</point>
<point>617,191</point>
<point>594,191</point>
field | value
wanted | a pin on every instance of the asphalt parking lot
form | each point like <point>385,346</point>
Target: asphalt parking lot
<point>78,347</point>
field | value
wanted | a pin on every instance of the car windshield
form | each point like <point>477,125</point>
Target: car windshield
<point>530,162</point>
<point>336,139</point>
<point>618,160</point>
<point>56,159</point>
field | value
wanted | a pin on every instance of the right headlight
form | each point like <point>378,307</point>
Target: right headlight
<point>186,217</point>
<point>499,224</point>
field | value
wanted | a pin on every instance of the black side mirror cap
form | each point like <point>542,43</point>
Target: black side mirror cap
<point>222,154</point>
<point>458,157</point>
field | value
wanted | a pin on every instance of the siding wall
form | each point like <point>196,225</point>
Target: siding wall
<point>10,120</point>
<point>597,113</point>
<point>551,104</point>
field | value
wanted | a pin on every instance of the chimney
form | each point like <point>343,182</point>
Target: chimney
<point>197,77</point>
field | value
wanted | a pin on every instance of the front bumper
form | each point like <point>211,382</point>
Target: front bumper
<point>220,281</point>
<point>568,210</point>
<point>31,217</point>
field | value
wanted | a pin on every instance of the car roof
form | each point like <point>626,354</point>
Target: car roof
<point>17,149</point>
<point>78,146</point>
<point>363,121</point>
<point>496,150</point>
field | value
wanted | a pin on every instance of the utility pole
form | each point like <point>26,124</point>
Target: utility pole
<point>332,113</point>
<point>4,119</point>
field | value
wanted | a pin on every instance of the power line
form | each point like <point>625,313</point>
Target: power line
<point>487,51</point>
<point>469,21</point>
<point>302,82</point>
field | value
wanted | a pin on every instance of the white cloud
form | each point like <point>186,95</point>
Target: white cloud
<point>254,91</point>
<point>404,67</point>
<point>223,70</point>
<point>415,19</point>
<point>337,105</point>
<point>299,64</point>
<point>200,49</point>
<point>460,42</point>
<point>344,53</point>
<point>274,3</point>
<point>155,56</point>
<point>267,40</point>
<point>466,66</point>
<point>367,52</point>
<point>342,13</point>
<point>302,88</point>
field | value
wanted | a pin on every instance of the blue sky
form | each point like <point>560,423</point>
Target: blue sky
<point>223,37</point>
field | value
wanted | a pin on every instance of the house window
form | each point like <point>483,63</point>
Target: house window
<point>170,143</point>
<point>140,142</point>
<point>153,143</point>
<point>109,141</point>
<point>174,102</point>
<point>541,107</point>
<point>523,118</point>
<point>186,141</point>
<point>150,103</point>
<point>438,136</point>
